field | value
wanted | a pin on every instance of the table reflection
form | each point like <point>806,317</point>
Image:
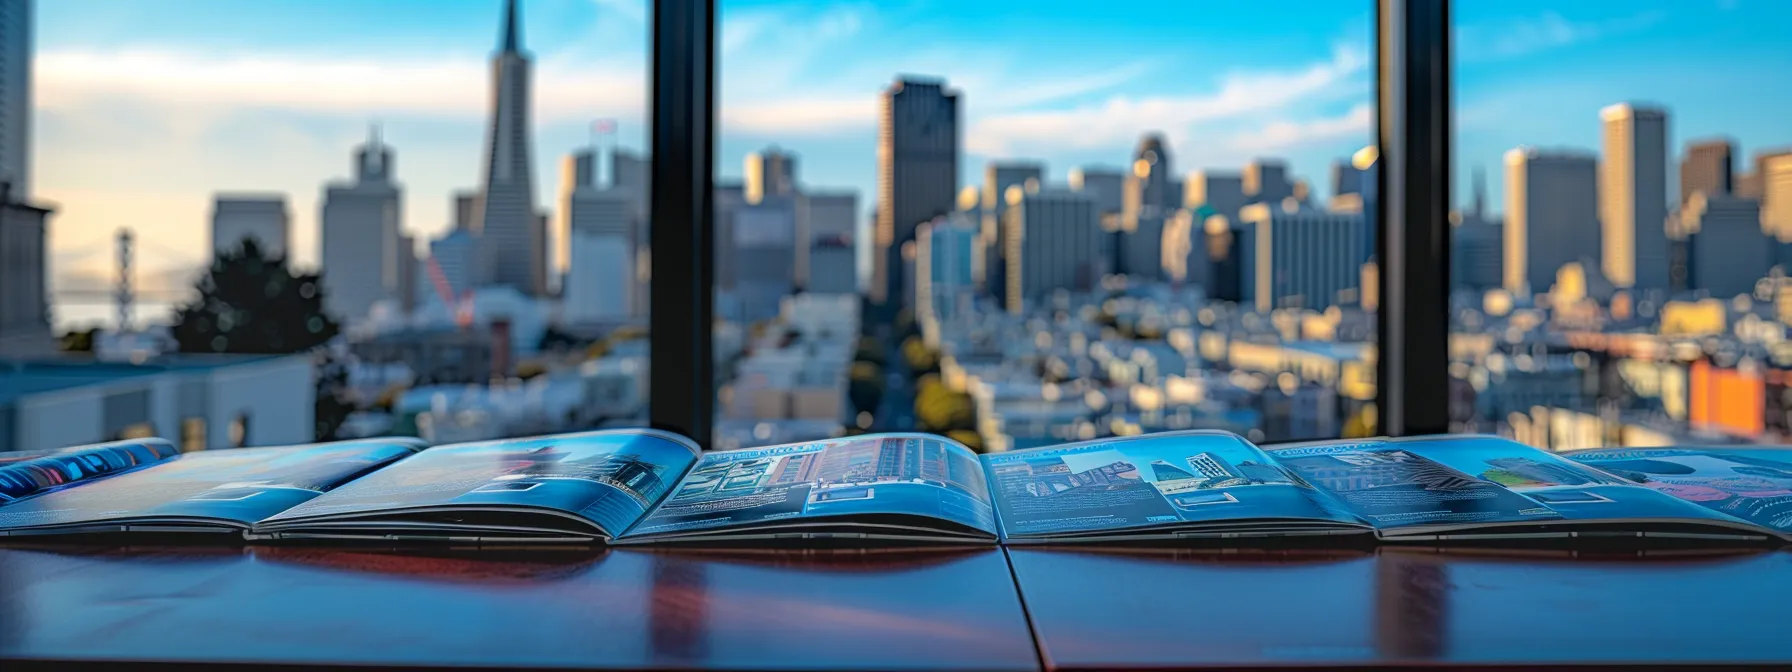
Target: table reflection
<point>1406,605</point>
<point>921,610</point>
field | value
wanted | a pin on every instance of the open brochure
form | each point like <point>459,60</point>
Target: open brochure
<point>225,491</point>
<point>649,487</point>
<point>23,474</point>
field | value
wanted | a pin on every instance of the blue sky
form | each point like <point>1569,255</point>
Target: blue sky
<point>145,109</point>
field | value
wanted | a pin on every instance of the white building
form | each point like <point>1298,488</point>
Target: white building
<point>1552,218</point>
<point>797,368</point>
<point>1633,196</point>
<point>601,279</point>
<point>363,248</point>
<point>238,217</point>
<point>16,50</point>
<point>200,403</point>
<point>1053,242</point>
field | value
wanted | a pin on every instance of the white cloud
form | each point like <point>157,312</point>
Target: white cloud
<point>71,80</point>
<point>1119,119</point>
<point>1282,136</point>
<point>635,11</point>
<point>807,116</point>
<point>1523,36</point>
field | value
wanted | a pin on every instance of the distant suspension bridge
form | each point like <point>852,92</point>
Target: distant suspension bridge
<point>124,293</point>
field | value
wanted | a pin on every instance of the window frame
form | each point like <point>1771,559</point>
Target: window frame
<point>1413,137</point>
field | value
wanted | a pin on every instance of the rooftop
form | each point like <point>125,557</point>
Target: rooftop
<point>20,378</point>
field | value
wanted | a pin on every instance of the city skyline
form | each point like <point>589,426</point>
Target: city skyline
<point>1321,57</point>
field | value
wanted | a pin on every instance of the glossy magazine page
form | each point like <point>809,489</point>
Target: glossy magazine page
<point>1753,484</point>
<point>605,479</point>
<point>225,489</point>
<point>904,480</point>
<point>1427,484</point>
<point>23,474</point>
<point>1180,480</point>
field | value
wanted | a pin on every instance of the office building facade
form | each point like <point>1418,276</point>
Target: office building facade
<point>945,253</point>
<point>1725,248</point>
<point>1633,197</point>
<point>1053,239</point>
<point>1552,216</point>
<point>599,238</point>
<point>17,47</point>
<point>239,217</point>
<point>1149,198</point>
<point>363,245</point>
<point>1300,257</point>
<point>1776,196</point>
<point>24,279</point>
<point>917,173</point>
<point>1707,167</point>
<point>770,172</point>
<point>827,263</point>
<point>512,236</point>
<point>1266,181</point>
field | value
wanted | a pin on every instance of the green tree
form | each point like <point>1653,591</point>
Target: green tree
<point>921,359</point>
<point>251,303</point>
<point>940,410</point>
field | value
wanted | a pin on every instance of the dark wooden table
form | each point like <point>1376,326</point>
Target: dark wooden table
<point>621,609</point>
<point>891,610</point>
<point>1407,607</point>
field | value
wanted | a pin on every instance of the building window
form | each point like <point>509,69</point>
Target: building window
<point>192,434</point>
<point>141,430</point>
<point>239,430</point>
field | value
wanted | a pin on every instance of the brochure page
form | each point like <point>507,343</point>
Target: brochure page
<point>868,475</point>
<point>1390,486</point>
<point>1567,487</point>
<point>27,473</point>
<point>241,485</point>
<point>1148,481</point>
<point>1754,484</point>
<point>609,478</point>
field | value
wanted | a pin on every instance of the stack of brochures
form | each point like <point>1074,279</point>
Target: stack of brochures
<point>643,487</point>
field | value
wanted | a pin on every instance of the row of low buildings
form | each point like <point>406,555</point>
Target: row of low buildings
<point>1569,369</point>
<point>199,402</point>
<point>1153,358</point>
<point>1251,237</point>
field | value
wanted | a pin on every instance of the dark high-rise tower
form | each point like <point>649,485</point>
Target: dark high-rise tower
<point>513,240</point>
<point>917,173</point>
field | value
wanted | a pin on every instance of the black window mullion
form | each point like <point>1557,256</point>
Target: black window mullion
<point>1412,215</point>
<point>682,294</point>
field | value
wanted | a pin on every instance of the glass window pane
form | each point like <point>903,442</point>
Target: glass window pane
<point>1618,255</point>
<point>1021,223</point>
<point>434,210</point>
